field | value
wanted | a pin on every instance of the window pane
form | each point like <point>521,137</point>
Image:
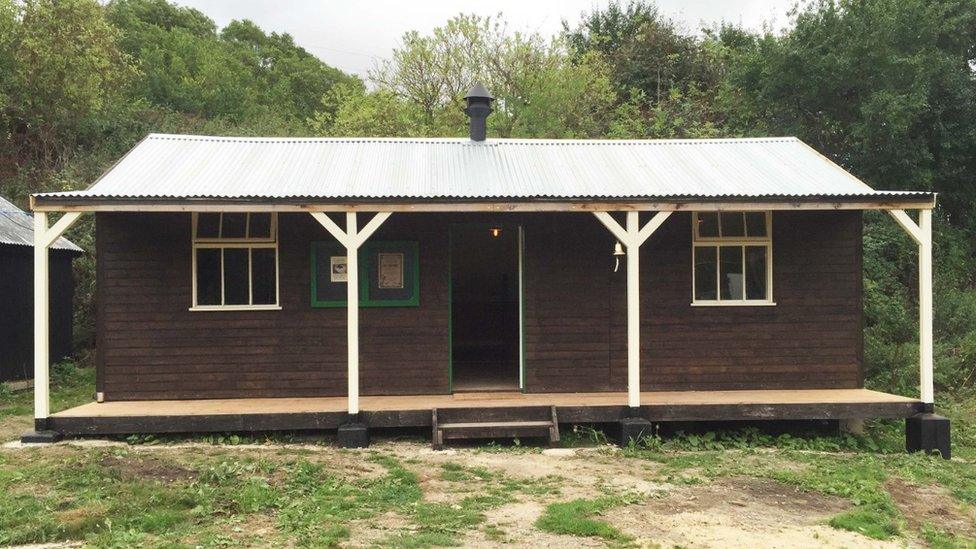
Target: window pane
<point>235,276</point>
<point>732,224</point>
<point>708,224</point>
<point>705,273</point>
<point>263,283</point>
<point>756,223</point>
<point>208,225</point>
<point>208,276</point>
<point>731,272</point>
<point>233,225</point>
<point>259,225</point>
<point>756,272</point>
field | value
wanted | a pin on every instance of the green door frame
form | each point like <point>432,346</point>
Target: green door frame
<point>520,246</point>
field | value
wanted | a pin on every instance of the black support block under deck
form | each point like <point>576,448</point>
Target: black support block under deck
<point>353,433</point>
<point>634,429</point>
<point>928,433</point>
<point>40,437</point>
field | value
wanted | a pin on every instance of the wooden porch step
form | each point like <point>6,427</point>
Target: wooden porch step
<point>503,423</point>
<point>496,424</point>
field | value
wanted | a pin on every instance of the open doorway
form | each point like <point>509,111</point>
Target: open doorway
<point>485,323</point>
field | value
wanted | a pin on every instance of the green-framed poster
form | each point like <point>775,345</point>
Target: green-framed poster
<point>389,274</point>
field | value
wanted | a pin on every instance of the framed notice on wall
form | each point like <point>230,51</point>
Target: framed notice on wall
<point>389,274</point>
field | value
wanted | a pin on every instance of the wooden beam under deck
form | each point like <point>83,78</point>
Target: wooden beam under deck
<point>287,414</point>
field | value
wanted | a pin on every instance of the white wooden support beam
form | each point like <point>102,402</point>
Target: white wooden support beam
<point>352,238</point>
<point>611,224</point>
<point>371,227</point>
<point>56,230</point>
<point>654,224</point>
<point>926,364</point>
<point>632,237</point>
<point>633,311</point>
<point>43,238</point>
<point>334,229</point>
<point>921,233</point>
<point>906,223</point>
<point>42,402</point>
<point>352,312</point>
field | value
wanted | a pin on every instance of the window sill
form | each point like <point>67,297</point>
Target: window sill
<point>733,303</point>
<point>235,308</point>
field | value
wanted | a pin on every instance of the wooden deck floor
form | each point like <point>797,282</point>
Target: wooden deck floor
<point>260,414</point>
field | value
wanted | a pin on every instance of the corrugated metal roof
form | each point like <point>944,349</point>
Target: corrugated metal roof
<point>182,166</point>
<point>17,228</point>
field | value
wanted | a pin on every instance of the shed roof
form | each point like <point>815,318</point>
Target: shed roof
<point>17,228</point>
<point>175,167</point>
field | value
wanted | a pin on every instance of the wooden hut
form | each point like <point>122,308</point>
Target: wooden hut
<point>481,286</point>
<point>16,293</point>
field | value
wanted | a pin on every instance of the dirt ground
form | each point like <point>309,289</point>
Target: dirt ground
<point>735,512</point>
<point>724,512</point>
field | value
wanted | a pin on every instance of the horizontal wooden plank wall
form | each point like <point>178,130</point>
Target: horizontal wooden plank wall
<point>151,347</point>
<point>576,336</point>
<point>811,338</point>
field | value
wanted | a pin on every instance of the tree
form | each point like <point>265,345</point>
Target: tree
<point>240,73</point>
<point>665,78</point>
<point>886,89</point>
<point>66,73</point>
<point>540,91</point>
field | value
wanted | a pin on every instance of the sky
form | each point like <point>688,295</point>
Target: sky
<point>352,35</point>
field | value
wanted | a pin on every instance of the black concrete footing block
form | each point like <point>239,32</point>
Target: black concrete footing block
<point>634,429</point>
<point>40,437</point>
<point>353,434</point>
<point>928,433</point>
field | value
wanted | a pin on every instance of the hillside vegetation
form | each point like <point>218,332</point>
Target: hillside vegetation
<point>885,88</point>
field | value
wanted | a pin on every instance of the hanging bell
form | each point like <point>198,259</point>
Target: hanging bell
<point>618,250</point>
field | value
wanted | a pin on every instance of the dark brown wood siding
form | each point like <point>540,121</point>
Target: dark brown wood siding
<point>576,332</point>
<point>151,346</point>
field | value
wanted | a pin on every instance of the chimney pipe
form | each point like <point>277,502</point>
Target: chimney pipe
<point>478,109</point>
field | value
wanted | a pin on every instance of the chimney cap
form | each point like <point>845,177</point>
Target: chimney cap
<point>478,91</point>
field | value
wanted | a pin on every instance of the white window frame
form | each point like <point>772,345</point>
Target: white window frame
<point>743,241</point>
<point>250,244</point>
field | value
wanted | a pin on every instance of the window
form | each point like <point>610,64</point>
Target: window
<point>235,261</point>
<point>389,274</point>
<point>732,258</point>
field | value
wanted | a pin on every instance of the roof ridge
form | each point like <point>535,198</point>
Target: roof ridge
<point>465,140</point>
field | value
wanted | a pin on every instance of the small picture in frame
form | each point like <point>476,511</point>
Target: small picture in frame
<point>338,268</point>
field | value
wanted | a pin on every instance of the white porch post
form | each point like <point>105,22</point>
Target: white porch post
<point>926,365</point>
<point>921,233</point>
<point>352,238</point>
<point>42,404</point>
<point>43,238</point>
<point>352,313</point>
<point>633,312</point>
<point>632,237</point>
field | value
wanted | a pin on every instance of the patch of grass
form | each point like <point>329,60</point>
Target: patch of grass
<point>575,518</point>
<point>71,385</point>
<point>415,540</point>
<point>453,472</point>
<point>867,521</point>
<point>494,533</point>
<point>858,479</point>
<point>940,539</point>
